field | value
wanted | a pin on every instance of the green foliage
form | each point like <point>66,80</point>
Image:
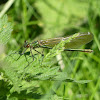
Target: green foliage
<point>26,74</point>
<point>22,78</point>
<point>28,70</point>
<point>61,16</point>
<point>5,33</point>
<point>5,30</point>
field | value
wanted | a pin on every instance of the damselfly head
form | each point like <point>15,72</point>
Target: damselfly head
<point>26,44</point>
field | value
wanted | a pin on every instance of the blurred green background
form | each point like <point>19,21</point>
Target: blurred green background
<point>43,19</point>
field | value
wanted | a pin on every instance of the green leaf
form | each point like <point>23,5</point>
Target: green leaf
<point>5,30</point>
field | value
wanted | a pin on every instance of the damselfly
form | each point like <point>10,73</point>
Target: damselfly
<point>79,40</point>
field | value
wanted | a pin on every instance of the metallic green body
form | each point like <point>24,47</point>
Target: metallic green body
<point>77,40</point>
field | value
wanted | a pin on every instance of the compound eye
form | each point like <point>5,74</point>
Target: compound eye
<point>28,46</point>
